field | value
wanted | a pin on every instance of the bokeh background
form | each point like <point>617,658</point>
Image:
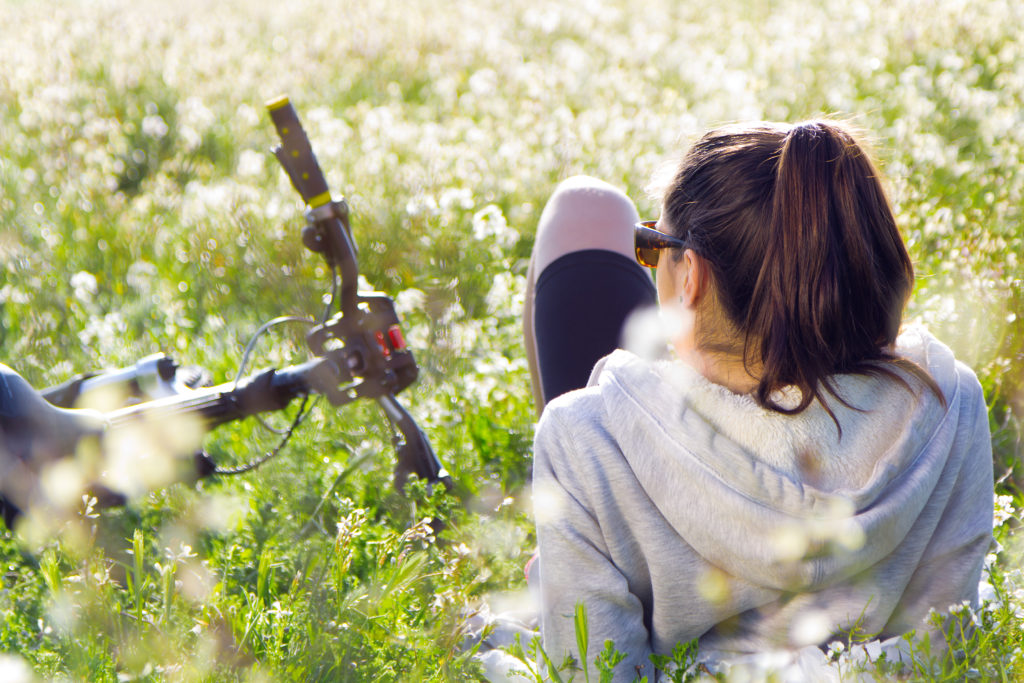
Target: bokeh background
<point>140,211</point>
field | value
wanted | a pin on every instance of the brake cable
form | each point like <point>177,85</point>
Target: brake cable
<point>269,455</point>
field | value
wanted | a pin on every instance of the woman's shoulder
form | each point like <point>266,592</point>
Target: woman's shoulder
<point>586,420</point>
<point>618,380</point>
<point>572,412</point>
<point>952,375</point>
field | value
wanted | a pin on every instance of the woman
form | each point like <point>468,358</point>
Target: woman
<point>796,472</point>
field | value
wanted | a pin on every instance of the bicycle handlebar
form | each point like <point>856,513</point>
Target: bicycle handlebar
<point>328,232</point>
<point>272,390</point>
<point>296,154</point>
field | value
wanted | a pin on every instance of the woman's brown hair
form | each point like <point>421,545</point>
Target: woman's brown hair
<point>807,262</point>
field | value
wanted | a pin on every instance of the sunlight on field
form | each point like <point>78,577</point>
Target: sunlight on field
<point>140,210</point>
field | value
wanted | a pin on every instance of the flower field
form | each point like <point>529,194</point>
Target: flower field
<point>141,211</point>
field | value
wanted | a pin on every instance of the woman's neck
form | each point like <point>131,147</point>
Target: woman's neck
<point>722,369</point>
<point>718,352</point>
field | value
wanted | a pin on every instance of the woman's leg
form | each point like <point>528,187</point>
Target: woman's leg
<point>582,284</point>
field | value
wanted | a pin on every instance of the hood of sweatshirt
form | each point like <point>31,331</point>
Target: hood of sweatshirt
<point>784,501</point>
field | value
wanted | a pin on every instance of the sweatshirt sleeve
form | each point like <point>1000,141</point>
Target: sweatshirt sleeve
<point>575,564</point>
<point>951,566</point>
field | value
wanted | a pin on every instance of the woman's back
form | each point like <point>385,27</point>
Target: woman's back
<point>675,509</point>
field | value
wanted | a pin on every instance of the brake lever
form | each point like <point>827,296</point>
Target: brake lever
<point>415,455</point>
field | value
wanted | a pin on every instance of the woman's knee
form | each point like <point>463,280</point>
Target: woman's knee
<point>584,213</point>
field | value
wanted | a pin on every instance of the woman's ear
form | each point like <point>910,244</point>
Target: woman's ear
<point>693,278</point>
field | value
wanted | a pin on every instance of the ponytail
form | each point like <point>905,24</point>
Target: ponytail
<point>807,261</point>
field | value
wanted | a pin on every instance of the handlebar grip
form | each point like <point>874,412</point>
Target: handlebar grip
<point>296,154</point>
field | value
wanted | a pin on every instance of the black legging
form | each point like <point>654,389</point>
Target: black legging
<point>581,302</point>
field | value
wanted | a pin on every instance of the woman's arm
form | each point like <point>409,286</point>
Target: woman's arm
<point>575,564</point>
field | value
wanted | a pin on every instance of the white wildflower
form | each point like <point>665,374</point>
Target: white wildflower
<point>154,126</point>
<point>454,197</point>
<point>15,669</point>
<point>141,276</point>
<point>489,224</point>
<point>506,295</point>
<point>1003,510</point>
<point>250,163</point>
<point>811,627</point>
<point>960,608</point>
<point>987,593</point>
<point>105,333</point>
<point>422,205</point>
<point>11,294</point>
<point>84,286</point>
<point>483,82</point>
<point>409,300</point>
<point>184,552</point>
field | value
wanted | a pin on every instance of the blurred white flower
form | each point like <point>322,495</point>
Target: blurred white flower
<point>141,276</point>
<point>190,137</point>
<point>14,669</point>
<point>649,331</point>
<point>456,197</point>
<point>11,294</point>
<point>489,225</point>
<point>811,627</point>
<point>184,552</point>
<point>84,286</point>
<point>987,593</point>
<point>483,82</point>
<point>409,300</point>
<point>105,333</point>
<point>422,204</point>
<point>547,504</point>
<point>250,163</point>
<point>960,608</point>
<point>194,113</point>
<point>507,294</point>
<point>154,126</point>
<point>63,482</point>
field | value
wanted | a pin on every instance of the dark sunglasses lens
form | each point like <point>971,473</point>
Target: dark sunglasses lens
<point>647,257</point>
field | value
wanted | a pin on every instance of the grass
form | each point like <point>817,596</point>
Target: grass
<point>141,212</point>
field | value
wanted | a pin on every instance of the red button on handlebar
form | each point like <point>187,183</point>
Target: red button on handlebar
<point>396,337</point>
<point>380,342</point>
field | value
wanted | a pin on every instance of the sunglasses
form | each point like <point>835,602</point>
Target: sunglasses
<point>649,242</point>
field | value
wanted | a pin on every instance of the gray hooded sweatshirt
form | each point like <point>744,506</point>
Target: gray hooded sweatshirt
<point>675,509</point>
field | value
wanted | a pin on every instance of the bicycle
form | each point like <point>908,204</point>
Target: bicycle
<point>359,351</point>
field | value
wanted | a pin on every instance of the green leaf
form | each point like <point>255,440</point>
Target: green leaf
<point>582,636</point>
